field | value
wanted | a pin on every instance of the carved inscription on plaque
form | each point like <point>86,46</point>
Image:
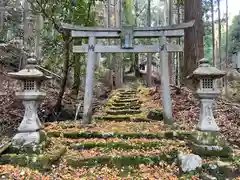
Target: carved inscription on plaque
<point>91,47</point>
<point>208,114</point>
<point>163,48</point>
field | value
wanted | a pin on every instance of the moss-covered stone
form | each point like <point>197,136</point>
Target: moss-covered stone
<point>209,144</point>
<point>207,138</point>
<point>220,170</point>
<point>117,104</point>
<point>126,100</point>
<point>126,90</point>
<point>121,161</point>
<point>206,150</point>
<point>35,161</point>
<point>127,96</point>
<point>30,149</point>
<point>155,114</point>
<point>226,168</point>
<point>124,135</point>
<point>124,111</point>
<point>54,133</point>
<point>117,145</point>
<point>125,107</point>
<point>33,148</point>
<point>124,117</point>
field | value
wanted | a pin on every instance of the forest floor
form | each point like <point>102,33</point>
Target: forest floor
<point>123,142</point>
<point>12,110</point>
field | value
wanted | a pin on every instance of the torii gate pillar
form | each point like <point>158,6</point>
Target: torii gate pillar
<point>87,109</point>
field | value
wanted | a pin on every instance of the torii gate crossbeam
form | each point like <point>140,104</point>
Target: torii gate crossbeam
<point>127,35</point>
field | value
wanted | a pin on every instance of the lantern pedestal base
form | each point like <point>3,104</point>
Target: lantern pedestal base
<point>209,144</point>
<point>29,142</point>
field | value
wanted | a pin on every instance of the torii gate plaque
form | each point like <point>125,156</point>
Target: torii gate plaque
<point>127,35</point>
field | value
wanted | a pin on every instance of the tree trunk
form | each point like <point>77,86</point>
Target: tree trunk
<point>226,61</point>
<point>213,34</point>
<point>117,56</point>
<point>193,43</point>
<point>219,43</point>
<point>66,37</point>
<point>135,64</point>
<point>117,69</point>
<point>77,58</point>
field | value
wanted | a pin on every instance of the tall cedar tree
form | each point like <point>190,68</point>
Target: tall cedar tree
<point>193,43</point>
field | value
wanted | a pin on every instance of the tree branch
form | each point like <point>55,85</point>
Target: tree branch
<point>43,11</point>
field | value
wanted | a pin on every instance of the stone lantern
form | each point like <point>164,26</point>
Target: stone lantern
<point>30,133</point>
<point>207,139</point>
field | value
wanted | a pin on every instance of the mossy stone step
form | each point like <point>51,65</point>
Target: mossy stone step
<point>123,117</point>
<point>127,92</point>
<point>124,90</point>
<point>126,97</point>
<point>117,145</point>
<point>126,100</point>
<point>127,104</point>
<point>35,161</point>
<point>124,108</point>
<point>120,112</point>
<point>121,161</point>
<point>123,135</point>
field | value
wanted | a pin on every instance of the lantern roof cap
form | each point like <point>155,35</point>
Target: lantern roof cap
<point>205,70</point>
<point>30,71</point>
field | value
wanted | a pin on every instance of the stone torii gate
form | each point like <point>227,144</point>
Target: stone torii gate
<point>127,35</point>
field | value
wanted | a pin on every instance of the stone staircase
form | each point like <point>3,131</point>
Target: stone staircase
<point>124,105</point>
<point>121,139</point>
<point>123,102</point>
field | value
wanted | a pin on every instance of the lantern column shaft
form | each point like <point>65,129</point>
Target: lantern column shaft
<point>30,122</point>
<point>206,120</point>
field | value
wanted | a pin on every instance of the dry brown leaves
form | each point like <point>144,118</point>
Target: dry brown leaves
<point>111,126</point>
<point>12,110</point>
<point>186,112</point>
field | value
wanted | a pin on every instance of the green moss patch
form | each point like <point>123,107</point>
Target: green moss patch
<point>207,150</point>
<point>117,145</point>
<point>155,114</point>
<point>117,104</point>
<point>30,149</point>
<point>34,161</point>
<point>209,144</point>
<point>126,91</point>
<point>124,111</point>
<point>127,96</point>
<point>120,118</point>
<point>207,138</point>
<point>126,135</point>
<point>121,161</point>
<point>126,100</point>
<point>125,108</point>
